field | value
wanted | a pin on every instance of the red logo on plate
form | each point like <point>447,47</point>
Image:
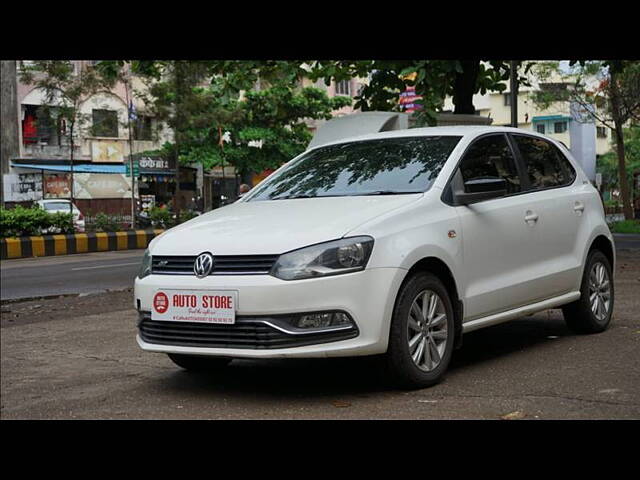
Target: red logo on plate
<point>160,302</point>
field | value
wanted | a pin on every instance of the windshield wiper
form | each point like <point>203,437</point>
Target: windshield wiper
<point>289,197</point>
<point>377,192</point>
<point>386,192</point>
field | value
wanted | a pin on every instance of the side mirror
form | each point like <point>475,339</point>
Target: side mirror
<point>479,189</point>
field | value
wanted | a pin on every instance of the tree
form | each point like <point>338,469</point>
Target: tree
<point>608,163</point>
<point>607,91</point>
<point>250,114</point>
<point>261,130</point>
<point>64,90</point>
<point>434,80</point>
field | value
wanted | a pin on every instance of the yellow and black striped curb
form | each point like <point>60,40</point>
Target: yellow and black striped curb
<point>47,245</point>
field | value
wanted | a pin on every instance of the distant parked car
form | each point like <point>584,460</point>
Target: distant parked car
<point>60,205</point>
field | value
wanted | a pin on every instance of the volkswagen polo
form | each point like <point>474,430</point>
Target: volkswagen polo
<point>392,244</point>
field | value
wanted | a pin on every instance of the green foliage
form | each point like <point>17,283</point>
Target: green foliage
<point>186,215</point>
<point>103,223</point>
<point>204,100</point>
<point>21,221</point>
<point>607,164</point>
<point>625,226</point>
<point>588,83</point>
<point>433,80</point>
<point>161,217</point>
<point>62,222</point>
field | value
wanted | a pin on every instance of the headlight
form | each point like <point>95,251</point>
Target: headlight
<point>330,258</point>
<point>145,268</point>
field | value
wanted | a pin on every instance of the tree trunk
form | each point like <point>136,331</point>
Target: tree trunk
<point>465,86</point>
<point>179,113</point>
<point>618,123</point>
<point>10,136</point>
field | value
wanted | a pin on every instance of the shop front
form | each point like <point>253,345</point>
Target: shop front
<point>96,188</point>
<point>157,183</point>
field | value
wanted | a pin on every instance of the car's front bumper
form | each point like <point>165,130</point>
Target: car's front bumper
<point>367,296</point>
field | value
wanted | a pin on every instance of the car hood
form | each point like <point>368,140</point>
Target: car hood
<point>275,226</point>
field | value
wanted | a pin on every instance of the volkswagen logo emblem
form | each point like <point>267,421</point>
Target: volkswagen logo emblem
<point>203,265</point>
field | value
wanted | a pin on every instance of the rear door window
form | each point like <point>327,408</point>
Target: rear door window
<point>491,157</point>
<point>544,163</point>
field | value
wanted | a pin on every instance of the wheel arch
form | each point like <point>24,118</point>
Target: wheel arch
<point>605,245</point>
<point>440,269</point>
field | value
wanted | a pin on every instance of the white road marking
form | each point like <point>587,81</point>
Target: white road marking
<point>106,266</point>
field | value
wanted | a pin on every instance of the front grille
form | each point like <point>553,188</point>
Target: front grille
<point>246,333</point>
<point>222,264</point>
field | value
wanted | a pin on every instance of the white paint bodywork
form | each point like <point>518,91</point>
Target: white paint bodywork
<point>503,266</point>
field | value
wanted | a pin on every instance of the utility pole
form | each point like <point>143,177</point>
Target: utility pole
<point>127,84</point>
<point>513,82</point>
<point>9,133</point>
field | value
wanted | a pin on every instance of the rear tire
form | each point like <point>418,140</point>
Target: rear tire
<point>195,363</point>
<point>592,312</point>
<point>422,330</point>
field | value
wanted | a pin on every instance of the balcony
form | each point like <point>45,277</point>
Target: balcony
<point>53,152</point>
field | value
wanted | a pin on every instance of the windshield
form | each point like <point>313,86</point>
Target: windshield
<point>373,167</point>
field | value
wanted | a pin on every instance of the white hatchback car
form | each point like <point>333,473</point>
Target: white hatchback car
<point>55,205</point>
<point>391,244</point>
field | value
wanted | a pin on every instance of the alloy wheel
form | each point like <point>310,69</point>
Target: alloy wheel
<point>599,291</point>
<point>427,330</point>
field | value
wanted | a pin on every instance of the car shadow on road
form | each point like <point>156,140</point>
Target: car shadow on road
<point>361,375</point>
<point>507,339</point>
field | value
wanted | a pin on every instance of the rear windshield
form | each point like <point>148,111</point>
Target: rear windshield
<point>373,167</point>
<point>56,206</point>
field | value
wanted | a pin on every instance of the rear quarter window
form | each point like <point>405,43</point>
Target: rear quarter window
<point>545,165</point>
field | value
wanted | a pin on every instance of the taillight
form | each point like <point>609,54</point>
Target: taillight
<point>80,217</point>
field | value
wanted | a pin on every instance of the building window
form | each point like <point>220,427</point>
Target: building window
<point>553,87</point>
<point>540,128</point>
<point>507,99</point>
<point>601,132</point>
<point>142,128</point>
<point>343,88</point>
<point>559,127</point>
<point>105,123</point>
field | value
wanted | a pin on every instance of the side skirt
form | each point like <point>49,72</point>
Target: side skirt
<point>519,312</point>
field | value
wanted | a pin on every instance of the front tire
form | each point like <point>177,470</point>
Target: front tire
<point>592,312</point>
<point>195,363</point>
<point>421,337</point>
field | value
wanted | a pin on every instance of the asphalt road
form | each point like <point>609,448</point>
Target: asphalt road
<point>68,274</point>
<point>76,358</point>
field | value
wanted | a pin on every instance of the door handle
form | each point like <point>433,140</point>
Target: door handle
<point>578,207</point>
<point>530,217</point>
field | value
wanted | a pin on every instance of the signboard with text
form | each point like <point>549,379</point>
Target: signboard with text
<point>57,185</point>
<point>22,187</point>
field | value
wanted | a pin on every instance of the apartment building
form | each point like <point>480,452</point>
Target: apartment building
<point>553,121</point>
<point>111,125</point>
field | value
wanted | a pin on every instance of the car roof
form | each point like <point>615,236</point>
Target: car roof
<point>462,130</point>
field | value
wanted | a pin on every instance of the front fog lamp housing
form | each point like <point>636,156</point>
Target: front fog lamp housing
<point>331,258</point>
<point>323,320</point>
